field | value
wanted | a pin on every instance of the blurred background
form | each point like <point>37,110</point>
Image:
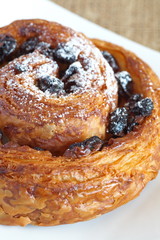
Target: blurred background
<point>138,20</point>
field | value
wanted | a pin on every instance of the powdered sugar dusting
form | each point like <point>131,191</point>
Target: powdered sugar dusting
<point>92,74</point>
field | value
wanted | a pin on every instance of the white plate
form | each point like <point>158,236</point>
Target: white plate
<point>137,220</point>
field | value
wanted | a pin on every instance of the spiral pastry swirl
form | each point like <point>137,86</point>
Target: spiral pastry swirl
<point>60,93</point>
<point>77,118</point>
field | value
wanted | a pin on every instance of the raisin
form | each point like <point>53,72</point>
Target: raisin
<point>132,100</point>
<point>131,124</point>
<point>84,148</point>
<point>124,83</point>
<point>1,134</point>
<point>38,149</point>
<point>111,60</point>
<point>73,68</point>
<point>3,138</point>
<point>7,46</point>
<point>51,84</point>
<point>142,107</point>
<point>65,53</point>
<point>45,49</point>
<point>19,68</point>
<point>118,121</point>
<point>135,97</point>
<point>28,46</point>
<point>72,85</point>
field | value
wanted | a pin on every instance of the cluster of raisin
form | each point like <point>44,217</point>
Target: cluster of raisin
<point>124,119</point>
<point>64,54</point>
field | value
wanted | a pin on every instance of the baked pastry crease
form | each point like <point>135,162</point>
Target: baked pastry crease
<point>63,161</point>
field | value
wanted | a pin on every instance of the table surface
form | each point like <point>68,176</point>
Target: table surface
<point>138,20</point>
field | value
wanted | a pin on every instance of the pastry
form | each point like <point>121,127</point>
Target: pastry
<point>79,121</point>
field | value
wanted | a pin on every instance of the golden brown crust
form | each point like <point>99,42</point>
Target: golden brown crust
<point>37,188</point>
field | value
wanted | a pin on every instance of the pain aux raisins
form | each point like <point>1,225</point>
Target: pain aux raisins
<point>7,46</point>
<point>50,84</point>
<point>88,146</point>
<point>111,60</point>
